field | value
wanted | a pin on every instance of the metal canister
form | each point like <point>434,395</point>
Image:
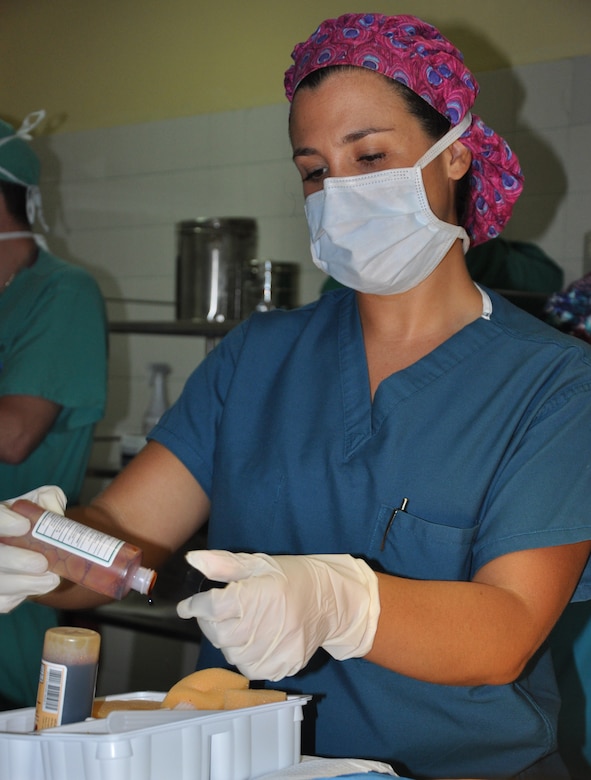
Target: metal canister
<point>213,255</point>
<point>270,284</point>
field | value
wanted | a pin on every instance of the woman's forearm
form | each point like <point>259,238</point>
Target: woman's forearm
<point>481,632</point>
<point>451,633</point>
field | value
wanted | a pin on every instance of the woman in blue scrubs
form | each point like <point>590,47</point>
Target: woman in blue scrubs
<point>392,473</point>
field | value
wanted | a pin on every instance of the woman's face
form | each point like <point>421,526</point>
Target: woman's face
<point>353,123</point>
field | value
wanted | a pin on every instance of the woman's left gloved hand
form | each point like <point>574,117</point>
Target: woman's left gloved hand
<point>278,610</point>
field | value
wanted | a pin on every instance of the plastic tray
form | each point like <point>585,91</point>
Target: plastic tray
<point>203,745</point>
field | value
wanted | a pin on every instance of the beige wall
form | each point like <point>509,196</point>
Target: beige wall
<point>119,62</point>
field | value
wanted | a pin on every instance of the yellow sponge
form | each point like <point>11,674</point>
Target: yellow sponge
<point>204,690</point>
<point>207,689</point>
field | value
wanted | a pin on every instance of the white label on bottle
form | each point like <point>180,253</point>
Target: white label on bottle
<point>50,695</point>
<point>74,537</point>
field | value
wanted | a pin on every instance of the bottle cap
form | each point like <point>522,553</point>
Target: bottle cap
<point>71,645</point>
<point>143,580</point>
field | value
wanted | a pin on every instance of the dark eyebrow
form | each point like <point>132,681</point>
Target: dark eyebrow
<point>357,135</point>
<point>350,138</point>
<point>303,151</point>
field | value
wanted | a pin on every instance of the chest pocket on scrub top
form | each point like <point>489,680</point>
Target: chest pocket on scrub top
<point>416,548</point>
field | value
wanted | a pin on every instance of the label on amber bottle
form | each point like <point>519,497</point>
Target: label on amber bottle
<point>50,695</point>
<point>74,537</point>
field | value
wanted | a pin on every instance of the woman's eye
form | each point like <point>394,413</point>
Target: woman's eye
<point>368,159</point>
<point>316,174</point>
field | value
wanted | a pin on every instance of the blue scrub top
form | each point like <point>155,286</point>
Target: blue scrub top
<point>483,437</point>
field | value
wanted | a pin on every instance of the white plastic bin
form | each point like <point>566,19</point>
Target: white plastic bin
<point>206,745</point>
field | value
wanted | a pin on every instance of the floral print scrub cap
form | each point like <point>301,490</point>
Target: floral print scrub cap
<point>416,54</point>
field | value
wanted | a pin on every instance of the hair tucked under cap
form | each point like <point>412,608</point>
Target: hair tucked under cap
<point>415,53</point>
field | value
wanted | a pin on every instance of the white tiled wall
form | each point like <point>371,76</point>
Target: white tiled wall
<point>113,197</point>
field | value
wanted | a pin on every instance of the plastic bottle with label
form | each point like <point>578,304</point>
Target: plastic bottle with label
<point>67,679</point>
<point>83,555</point>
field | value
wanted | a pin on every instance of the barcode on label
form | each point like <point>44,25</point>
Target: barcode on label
<point>53,688</point>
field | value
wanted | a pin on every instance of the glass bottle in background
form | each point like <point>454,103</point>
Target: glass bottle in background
<point>159,399</point>
<point>132,443</point>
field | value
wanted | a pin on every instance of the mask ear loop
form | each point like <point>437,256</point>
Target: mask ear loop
<point>445,141</point>
<point>35,207</point>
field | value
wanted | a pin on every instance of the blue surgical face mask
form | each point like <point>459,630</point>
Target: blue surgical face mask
<point>376,233</point>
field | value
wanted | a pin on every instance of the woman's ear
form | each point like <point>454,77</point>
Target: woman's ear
<point>459,161</point>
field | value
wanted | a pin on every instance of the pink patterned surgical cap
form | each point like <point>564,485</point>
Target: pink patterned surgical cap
<point>417,55</point>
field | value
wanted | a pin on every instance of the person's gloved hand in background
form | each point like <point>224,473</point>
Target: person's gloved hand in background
<point>278,610</point>
<point>24,573</point>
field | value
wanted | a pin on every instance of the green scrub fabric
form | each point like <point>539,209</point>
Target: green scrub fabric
<point>514,265</point>
<point>53,344</point>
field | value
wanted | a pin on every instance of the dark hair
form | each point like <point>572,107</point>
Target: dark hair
<point>433,123</point>
<point>15,197</point>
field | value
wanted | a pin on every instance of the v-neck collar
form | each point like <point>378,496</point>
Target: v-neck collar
<point>362,417</point>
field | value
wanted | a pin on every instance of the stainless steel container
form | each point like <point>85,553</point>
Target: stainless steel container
<point>213,255</point>
<point>270,284</point>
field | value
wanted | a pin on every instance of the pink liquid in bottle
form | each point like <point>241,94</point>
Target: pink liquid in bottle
<point>83,555</point>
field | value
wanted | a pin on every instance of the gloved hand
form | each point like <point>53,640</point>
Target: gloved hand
<point>24,572</point>
<point>278,610</point>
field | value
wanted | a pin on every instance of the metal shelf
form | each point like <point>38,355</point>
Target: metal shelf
<point>175,327</point>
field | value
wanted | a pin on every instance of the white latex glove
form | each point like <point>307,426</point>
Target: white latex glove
<point>278,610</point>
<point>24,573</point>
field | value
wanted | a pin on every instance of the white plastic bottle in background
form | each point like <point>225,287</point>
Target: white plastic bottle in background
<point>159,400</point>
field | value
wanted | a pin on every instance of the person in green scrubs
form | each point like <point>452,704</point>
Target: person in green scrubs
<point>53,370</point>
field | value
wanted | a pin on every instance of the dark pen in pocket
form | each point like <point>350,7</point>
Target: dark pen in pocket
<point>400,508</point>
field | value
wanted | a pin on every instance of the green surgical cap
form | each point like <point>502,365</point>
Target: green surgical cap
<point>18,162</point>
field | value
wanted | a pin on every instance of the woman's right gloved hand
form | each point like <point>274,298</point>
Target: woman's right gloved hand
<point>23,573</point>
